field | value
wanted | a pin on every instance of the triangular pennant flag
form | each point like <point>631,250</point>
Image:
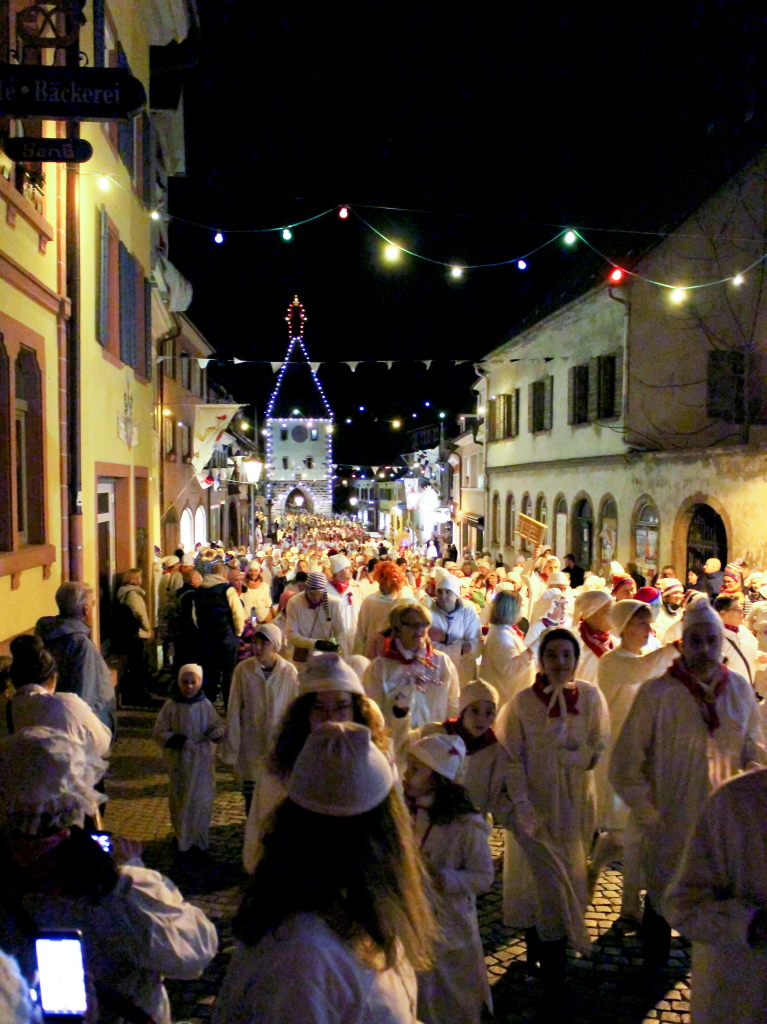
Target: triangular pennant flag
<point>389,363</point>
<point>353,366</point>
<point>375,468</point>
<point>202,363</point>
<point>236,361</point>
<point>315,366</point>
<point>275,367</point>
<point>459,361</point>
<point>427,362</point>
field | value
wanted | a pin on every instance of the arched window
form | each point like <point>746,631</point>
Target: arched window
<point>527,510</point>
<point>560,529</point>
<point>6,519</point>
<point>582,532</point>
<point>30,486</point>
<point>187,530</point>
<point>646,530</point>
<point>541,509</point>
<point>508,537</point>
<point>200,526</point>
<point>496,520</point>
<point>608,533</point>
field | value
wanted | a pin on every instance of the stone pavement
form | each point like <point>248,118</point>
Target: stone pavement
<point>609,986</point>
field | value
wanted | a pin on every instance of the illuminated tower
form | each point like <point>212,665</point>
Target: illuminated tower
<point>299,430</point>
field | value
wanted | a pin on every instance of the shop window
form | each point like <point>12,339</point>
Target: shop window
<point>540,402</point>
<point>509,522</point>
<point>28,450</point>
<point>646,530</point>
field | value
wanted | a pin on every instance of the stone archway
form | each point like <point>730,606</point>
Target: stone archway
<point>306,504</point>
<point>702,530</point>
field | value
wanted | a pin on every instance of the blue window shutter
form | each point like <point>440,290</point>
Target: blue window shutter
<point>125,143</point>
<point>102,327</point>
<point>99,46</point>
<point>148,329</point>
<point>127,307</point>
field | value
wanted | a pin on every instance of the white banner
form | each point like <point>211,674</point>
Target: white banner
<point>210,422</point>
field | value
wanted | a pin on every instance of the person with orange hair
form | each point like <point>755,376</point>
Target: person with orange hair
<point>373,617</point>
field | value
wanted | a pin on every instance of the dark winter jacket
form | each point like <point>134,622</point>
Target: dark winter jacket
<point>80,667</point>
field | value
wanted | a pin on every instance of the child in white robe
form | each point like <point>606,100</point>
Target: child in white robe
<point>453,842</point>
<point>187,729</point>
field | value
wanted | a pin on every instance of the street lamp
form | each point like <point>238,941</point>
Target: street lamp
<point>252,470</point>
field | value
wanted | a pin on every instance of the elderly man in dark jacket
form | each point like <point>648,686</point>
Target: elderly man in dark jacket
<point>81,669</point>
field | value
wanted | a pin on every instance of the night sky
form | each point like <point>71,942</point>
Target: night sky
<point>498,123</point>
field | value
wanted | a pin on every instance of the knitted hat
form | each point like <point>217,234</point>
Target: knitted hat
<point>754,579</point>
<point>316,581</point>
<point>339,562</point>
<point>327,671</point>
<point>558,579</point>
<point>46,781</point>
<point>619,578</point>
<point>589,602</point>
<point>651,597</point>
<point>477,689</point>
<point>701,613</point>
<point>340,772</point>
<point>622,612</point>
<point>669,586</point>
<point>192,669</point>
<point>442,753</point>
<point>269,632</point>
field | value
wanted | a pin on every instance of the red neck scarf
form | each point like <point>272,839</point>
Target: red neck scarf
<point>732,629</point>
<point>570,694</point>
<point>393,654</point>
<point>515,628</point>
<point>341,586</point>
<point>455,727</point>
<point>597,641</point>
<point>705,700</point>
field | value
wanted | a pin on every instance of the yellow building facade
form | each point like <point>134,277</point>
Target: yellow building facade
<point>48,532</point>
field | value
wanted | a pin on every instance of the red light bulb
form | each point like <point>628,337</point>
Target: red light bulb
<point>617,275</point>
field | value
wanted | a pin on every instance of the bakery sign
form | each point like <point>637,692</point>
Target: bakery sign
<point>69,94</point>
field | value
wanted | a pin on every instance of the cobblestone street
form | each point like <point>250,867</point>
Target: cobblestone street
<point>610,986</point>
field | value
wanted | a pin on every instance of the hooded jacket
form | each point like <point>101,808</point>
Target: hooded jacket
<point>81,668</point>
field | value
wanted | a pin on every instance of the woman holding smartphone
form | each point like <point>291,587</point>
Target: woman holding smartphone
<point>136,926</point>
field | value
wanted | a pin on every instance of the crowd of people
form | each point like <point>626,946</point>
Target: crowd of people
<point>381,710</point>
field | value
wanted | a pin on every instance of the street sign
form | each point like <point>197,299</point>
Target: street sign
<point>68,151</point>
<point>64,94</point>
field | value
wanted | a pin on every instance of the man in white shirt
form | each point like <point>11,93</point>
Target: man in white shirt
<point>740,649</point>
<point>347,591</point>
<point>670,612</point>
<point>456,629</point>
<point>314,621</point>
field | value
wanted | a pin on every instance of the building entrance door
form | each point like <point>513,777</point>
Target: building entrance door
<point>105,534</point>
<point>706,538</point>
<point>583,533</point>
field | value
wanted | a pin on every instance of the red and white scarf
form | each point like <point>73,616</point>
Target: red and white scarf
<point>598,641</point>
<point>704,698</point>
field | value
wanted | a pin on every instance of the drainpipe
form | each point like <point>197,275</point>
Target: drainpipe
<point>170,335</point>
<point>74,436</point>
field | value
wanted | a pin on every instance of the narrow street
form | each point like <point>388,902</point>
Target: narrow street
<point>608,987</point>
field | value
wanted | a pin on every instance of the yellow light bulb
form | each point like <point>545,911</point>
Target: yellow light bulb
<point>154,215</point>
<point>678,295</point>
<point>391,252</point>
<point>456,271</point>
<point>396,424</point>
<point>104,183</point>
<point>738,280</point>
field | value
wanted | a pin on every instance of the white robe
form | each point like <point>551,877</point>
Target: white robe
<point>305,625</point>
<point>721,883</point>
<point>588,665</point>
<point>303,973</point>
<point>65,712</point>
<point>664,622</point>
<point>505,663</point>
<point>257,704</point>
<point>550,782</point>
<point>483,774</point>
<point>757,622</point>
<point>192,785</point>
<point>373,618</point>
<point>257,601</point>
<point>739,652</point>
<point>461,626</point>
<point>621,673</point>
<point>665,763</point>
<point>350,602</point>
<point>458,855</point>
<point>140,933</point>
<point>431,692</point>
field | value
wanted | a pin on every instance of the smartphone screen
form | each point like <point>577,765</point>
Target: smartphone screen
<point>62,973</point>
<point>104,839</point>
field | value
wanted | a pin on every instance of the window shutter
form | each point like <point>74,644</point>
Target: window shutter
<point>515,414</point>
<point>148,347</point>
<point>725,399</point>
<point>618,393</point>
<point>492,434</point>
<point>102,327</point>
<point>594,389</point>
<point>530,407</point>
<point>571,395</point>
<point>99,46</point>
<point>146,160</point>
<point>548,403</point>
<point>127,307</point>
